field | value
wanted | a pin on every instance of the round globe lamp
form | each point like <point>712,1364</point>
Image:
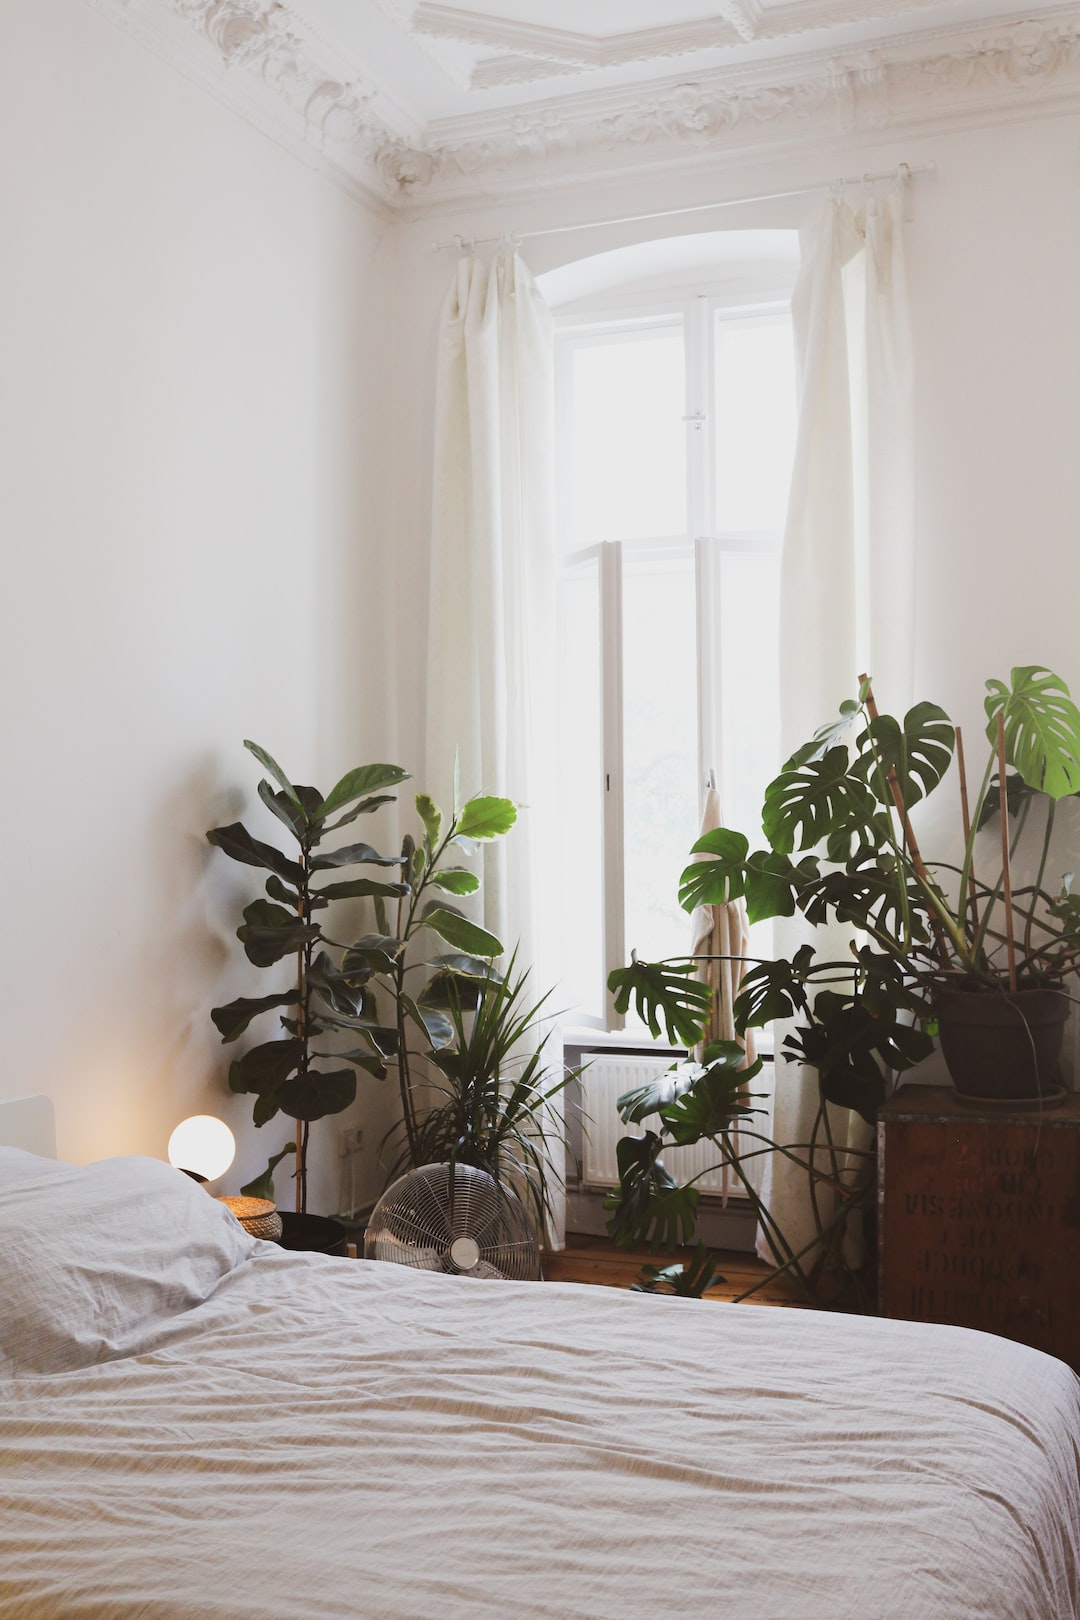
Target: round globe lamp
<point>203,1147</point>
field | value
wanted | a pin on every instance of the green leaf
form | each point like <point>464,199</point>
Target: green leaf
<point>238,844</point>
<point>715,882</point>
<point>1042,729</point>
<point>430,815</point>
<point>371,1061</point>
<point>317,1093</point>
<point>271,765</point>
<point>773,990</point>
<point>361,888</point>
<point>358,784</point>
<point>265,1068</point>
<point>828,735</point>
<point>364,808</point>
<point>486,817</point>
<point>919,753</point>
<point>436,1026</point>
<point>281,891</point>
<point>691,1281</point>
<point>465,935</point>
<point>372,953</point>
<point>286,810</point>
<point>232,1019</point>
<point>456,880</point>
<point>817,801</point>
<point>649,1206</point>
<point>270,932</point>
<point>465,966</point>
<point>353,855</point>
<point>263,1186</point>
<point>264,1108</point>
<point>664,990</point>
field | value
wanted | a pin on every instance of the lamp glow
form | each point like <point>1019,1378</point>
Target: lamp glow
<point>203,1146</point>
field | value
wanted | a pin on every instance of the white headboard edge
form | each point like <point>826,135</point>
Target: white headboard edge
<point>29,1123</point>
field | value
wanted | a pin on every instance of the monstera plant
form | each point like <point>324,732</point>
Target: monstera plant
<point>330,1020</point>
<point>930,942</point>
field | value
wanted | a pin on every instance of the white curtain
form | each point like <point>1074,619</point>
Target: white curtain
<point>847,572</point>
<point>492,584</point>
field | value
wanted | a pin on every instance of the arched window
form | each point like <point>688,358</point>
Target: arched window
<point>676,417</point>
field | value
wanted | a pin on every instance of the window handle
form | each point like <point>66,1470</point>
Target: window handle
<point>699,418</point>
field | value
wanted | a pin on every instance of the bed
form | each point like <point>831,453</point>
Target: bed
<point>198,1426</point>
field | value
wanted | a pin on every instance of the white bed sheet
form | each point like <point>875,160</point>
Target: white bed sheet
<point>333,1439</point>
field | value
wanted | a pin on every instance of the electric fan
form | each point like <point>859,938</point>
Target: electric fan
<point>457,1219</point>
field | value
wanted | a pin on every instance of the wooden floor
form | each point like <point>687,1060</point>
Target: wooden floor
<point>596,1260</point>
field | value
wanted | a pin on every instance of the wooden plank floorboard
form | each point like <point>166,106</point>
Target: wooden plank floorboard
<point>597,1261</point>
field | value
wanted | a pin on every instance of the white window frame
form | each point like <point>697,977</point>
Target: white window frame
<point>696,308</point>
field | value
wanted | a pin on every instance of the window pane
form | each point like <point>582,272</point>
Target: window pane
<point>581,792</point>
<point>629,438</point>
<point>740,623</point>
<point>660,758</point>
<point>754,411</point>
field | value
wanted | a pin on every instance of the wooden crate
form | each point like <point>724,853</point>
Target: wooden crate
<point>979,1217</point>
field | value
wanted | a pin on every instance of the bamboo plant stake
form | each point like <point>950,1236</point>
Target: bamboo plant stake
<point>1006,878</point>
<point>966,815</point>
<point>909,832</point>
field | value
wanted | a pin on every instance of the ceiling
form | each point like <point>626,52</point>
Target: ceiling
<point>431,62</point>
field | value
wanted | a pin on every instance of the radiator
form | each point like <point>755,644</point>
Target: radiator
<point>608,1076</point>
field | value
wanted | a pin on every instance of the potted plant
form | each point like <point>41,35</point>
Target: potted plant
<point>289,1074</point>
<point>492,1083</point>
<point>935,947</point>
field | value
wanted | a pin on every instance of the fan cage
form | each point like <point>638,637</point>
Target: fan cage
<point>423,1215</point>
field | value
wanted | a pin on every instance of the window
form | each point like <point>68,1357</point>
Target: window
<point>676,424</point>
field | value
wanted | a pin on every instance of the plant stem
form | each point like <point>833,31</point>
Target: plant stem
<point>1006,875</point>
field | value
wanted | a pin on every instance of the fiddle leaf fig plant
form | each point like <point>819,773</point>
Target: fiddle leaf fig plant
<point>293,1073</point>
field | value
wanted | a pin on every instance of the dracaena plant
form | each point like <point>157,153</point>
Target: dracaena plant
<point>490,1085</point>
<point>841,848</point>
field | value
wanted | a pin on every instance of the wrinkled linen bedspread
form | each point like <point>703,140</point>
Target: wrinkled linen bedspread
<point>328,1438</point>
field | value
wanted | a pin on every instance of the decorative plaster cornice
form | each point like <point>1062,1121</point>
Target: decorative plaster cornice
<point>258,56</point>
<point>902,84</point>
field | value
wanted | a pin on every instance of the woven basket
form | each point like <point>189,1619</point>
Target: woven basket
<point>256,1215</point>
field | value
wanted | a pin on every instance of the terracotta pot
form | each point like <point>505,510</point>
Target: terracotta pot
<point>1000,1044</point>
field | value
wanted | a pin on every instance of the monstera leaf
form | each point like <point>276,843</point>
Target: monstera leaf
<point>918,753</point>
<point>820,800</point>
<point>667,991</point>
<point>649,1206</point>
<point>1042,729</point>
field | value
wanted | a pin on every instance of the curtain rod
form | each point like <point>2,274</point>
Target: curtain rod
<point>904,172</point>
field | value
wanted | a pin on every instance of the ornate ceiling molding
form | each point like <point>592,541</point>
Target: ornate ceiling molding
<point>266,61</point>
<point>261,59</point>
<point>1019,69</point>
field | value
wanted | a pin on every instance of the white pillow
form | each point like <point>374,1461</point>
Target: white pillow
<point>15,1165</point>
<point>92,1259</point>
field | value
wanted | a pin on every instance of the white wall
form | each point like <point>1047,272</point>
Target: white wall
<point>192,455</point>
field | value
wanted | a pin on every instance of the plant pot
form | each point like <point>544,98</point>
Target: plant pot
<point>314,1234</point>
<point>1002,1045</point>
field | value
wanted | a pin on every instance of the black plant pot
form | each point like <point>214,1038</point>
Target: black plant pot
<point>1002,1045</point>
<point>315,1234</point>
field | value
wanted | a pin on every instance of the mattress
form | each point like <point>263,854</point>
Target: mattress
<point>322,1439</point>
